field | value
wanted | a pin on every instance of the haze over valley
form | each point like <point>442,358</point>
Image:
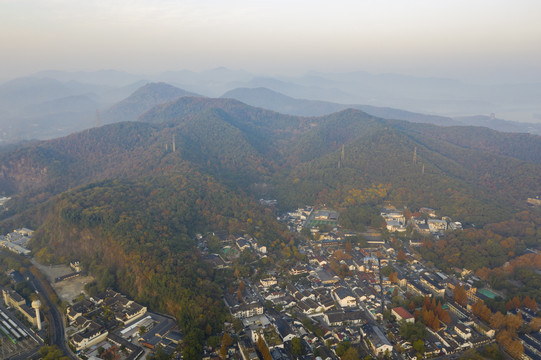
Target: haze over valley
<point>55,103</point>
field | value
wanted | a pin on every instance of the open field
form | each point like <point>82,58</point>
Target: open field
<point>68,289</point>
<point>316,223</point>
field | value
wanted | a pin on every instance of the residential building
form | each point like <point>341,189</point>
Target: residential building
<point>463,331</point>
<point>436,226</point>
<point>344,297</point>
<point>341,318</point>
<point>402,314</point>
<point>268,282</point>
<point>378,341</point>
<point>92,334</point>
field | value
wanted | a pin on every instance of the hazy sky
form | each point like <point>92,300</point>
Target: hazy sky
<point>485,40</point>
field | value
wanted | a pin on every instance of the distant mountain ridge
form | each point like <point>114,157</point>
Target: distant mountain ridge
<point>438,99</point>
<point>269,99</point>
<point>44,108</point>
<point>142,100</point>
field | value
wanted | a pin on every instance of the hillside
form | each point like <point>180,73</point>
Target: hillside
<point>238,146</point>
<point>521,146</point>
<point>43,169</point>
<point>142,100</point>
<point>149,252</point>
<point>471,185</point>
<point>241,145</point>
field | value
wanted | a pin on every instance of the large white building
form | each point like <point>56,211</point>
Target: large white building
<point>344,297</point>
<point>395,226</point>
<point>378,341</point>
<point>91,335</point>
<point>13,299</point>
<point>437,225</point>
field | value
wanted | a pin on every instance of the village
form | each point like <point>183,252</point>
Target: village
<point>340,291</point>
<point>371,300</point>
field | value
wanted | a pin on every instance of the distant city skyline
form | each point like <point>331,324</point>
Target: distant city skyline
<point>476,40</point>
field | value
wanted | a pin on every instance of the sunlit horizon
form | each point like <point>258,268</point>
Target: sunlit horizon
<point>474,41</point>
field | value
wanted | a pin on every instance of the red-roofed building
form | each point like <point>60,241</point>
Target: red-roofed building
<point>403,314</point>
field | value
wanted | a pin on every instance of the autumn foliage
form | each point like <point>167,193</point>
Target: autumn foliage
<point>432,314</point>
<point>481,310</point>
<point>460,295</point>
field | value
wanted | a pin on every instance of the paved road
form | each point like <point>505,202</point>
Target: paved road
<point>57,327</point>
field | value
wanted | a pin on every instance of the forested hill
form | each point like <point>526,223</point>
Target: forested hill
<point>142,100</point>
<point>38,171</point>
<point>473,186</point>
<point>240,115</point>
<point>525,147</point>
<point>240,145</point>
<point>136,235</point>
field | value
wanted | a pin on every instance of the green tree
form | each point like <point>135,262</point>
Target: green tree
<point>413,332</point>
<point>142,330</point>
<point>419,346</point>
<point>214,341</point>
<point>342,348</point>
<point>52,353</point>
<point>351,354</point>
<point>296,346</point>
<point>237,325</point>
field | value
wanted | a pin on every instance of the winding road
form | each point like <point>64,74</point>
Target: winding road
<point>57,326</point>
